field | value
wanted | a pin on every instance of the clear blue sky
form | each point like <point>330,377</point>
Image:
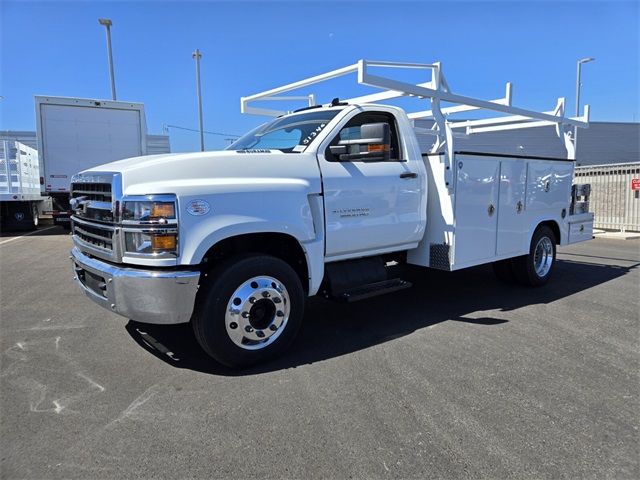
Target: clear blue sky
<point>58,48</point>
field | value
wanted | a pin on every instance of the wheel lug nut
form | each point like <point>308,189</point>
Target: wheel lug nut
<point>276,300</point>
<point>252,300</point>
<point>245,314</point>
<point>260,333</point>
<point>248,329</point>
<point>266,294</point>
<point>273,328</point>
<point>280,313</point>
<point>233,325</point>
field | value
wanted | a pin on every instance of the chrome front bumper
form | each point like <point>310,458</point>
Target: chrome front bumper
<point>148,296</point>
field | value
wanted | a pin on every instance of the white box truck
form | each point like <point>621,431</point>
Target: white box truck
<point>19,186</point>
<point>319,201</point>
<point>77,133</point>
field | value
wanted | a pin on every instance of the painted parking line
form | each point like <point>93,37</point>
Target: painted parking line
<point>25,235</point>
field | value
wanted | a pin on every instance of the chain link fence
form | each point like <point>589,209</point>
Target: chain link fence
<point>613,201</point>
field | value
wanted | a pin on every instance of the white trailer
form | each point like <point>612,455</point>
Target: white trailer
<point>76,133</point>
<point>19,186</point>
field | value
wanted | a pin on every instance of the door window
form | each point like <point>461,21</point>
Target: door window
<point>351,131</point>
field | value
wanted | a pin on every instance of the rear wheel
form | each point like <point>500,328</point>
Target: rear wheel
<point>249,310</point>
<point>536,268</point>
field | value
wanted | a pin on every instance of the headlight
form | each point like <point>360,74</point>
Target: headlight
<point>148,211</point>
<point>150,225</point>
<point>151,242</point>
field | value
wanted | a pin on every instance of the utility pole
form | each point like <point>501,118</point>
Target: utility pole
<point>107,24</point>
<point>578,85</point>
<point>197,56</point>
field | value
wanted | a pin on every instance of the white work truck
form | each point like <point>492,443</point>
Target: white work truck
<point>320,201</point>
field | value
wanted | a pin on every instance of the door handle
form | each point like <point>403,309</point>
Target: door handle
<point>409,175</point>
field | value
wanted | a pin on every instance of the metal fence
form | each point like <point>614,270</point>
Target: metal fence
<point>615,205</point>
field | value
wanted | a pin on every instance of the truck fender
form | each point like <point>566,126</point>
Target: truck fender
<point>554,223</point>
<point>205,236</point>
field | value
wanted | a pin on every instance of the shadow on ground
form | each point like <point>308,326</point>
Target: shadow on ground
<point>42,231</point>
<point>332,329</point>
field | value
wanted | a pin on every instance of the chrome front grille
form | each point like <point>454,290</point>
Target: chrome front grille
<point>94,200</point>
<point>96,235</point>
<point>98,192</point>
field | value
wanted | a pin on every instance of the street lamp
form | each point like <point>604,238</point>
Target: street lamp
<point>197,56</point>
<point>107,24</point>
<point>578,85</point>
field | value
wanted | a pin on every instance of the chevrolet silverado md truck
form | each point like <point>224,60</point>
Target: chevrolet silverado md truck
<point>319,201</point>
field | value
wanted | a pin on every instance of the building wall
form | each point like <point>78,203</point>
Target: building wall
<point>601,143</point>
<point>158,144</point>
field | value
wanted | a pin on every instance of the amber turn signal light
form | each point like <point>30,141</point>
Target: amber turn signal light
<point>163,242</point>
<point>163,210</point>
<point>380,147</point>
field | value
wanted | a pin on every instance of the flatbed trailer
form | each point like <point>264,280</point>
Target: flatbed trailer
<point>20,197</point>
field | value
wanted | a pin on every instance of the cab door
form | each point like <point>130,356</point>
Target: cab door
<point>370,206</point>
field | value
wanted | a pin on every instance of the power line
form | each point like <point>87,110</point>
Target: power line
<point>166,127</point>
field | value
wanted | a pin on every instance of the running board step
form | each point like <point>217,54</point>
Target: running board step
<point>373,289</point>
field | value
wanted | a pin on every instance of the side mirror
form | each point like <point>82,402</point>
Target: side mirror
<point>337,150</point>
<point>373,146</point>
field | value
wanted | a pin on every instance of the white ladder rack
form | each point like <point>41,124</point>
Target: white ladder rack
<point>436,91</point>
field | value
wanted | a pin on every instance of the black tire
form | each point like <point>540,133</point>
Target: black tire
<point>503,269</point>
<point>209,320</point>
<point>524,268</point>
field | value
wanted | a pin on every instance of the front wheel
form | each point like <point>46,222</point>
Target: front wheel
<point>536,268</point>
<point>249,310</point>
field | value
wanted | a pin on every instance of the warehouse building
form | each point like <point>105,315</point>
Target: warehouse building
<point>602,143</point>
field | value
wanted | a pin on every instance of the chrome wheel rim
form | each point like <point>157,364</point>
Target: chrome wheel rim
<point>257,313</point>
<point>543,256</point>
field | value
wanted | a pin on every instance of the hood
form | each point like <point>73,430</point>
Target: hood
<point>206,171</point>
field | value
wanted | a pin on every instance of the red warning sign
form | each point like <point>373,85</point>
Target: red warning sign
<point>635,184</point>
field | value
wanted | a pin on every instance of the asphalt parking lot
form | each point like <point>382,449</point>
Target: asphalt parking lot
<point>458,377</point>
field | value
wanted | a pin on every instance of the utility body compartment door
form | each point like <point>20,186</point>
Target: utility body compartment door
<point>580,227</point>
<point>512,228</point>
<point>476,208</point>
<point>548,185</point>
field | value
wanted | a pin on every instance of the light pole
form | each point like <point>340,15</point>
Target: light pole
<point>197,56</point>
<point>578,85</point>
<point>107,24</point>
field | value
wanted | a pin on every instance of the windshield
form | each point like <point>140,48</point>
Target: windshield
<point>290,134</point>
